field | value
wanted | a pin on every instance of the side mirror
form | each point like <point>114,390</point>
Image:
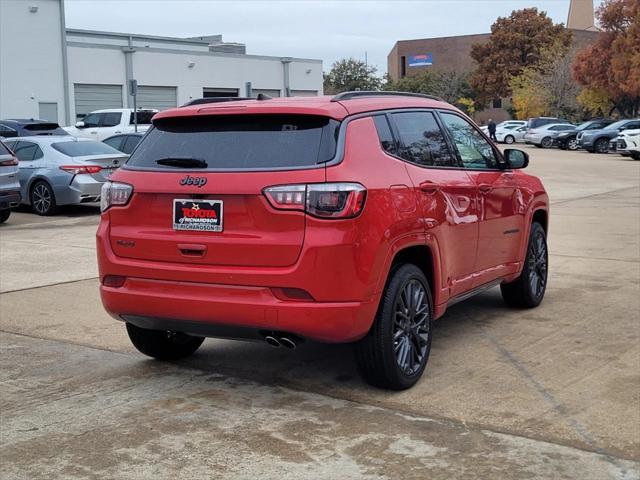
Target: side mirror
<point>80,124</point>
<point>516,158</point>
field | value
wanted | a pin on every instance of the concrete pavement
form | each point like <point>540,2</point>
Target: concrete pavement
<point>563,378</point>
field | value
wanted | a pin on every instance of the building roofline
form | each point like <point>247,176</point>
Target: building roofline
<point>98,33</point>
<point>478,35</point>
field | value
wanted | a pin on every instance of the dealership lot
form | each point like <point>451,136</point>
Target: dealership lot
<point>550,392</point>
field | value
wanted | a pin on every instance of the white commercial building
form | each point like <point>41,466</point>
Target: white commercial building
<point>48,71</point>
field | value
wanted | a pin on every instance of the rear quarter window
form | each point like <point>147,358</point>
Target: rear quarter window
<point>241,142</point>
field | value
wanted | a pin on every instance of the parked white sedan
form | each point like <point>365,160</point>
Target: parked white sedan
<point>511,134</point>
<point>628,143</point>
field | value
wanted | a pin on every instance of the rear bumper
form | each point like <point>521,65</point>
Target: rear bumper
<point>341,310</point>
<point>203,308</point>
<point>9,199</point>
<point>82,189</point>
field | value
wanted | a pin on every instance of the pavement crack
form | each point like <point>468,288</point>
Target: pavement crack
<point>47,285</point>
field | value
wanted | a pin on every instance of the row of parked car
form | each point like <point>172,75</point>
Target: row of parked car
<point>595,136</point>
<point>45,166</point>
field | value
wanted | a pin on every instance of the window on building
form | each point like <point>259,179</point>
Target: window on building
<point>403,66</point>
<point>219,92</point>
<point>422,141</point>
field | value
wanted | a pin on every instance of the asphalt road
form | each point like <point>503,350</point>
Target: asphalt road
<point>547,393</point>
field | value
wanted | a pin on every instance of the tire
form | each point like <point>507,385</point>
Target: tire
<point>527,291</point>
<point>394,354</point>
<point>572,144</point>
<point>4,215</point>
<point>602,145</point>
<point>509,139</point>
<point>546,142</point>
<point>635,155</point>
<point>42,198</point>
<point>162,344</point>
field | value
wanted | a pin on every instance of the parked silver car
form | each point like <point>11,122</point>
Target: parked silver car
<point>9,185</point>
<point>545,136</point>
<point>62,170</point>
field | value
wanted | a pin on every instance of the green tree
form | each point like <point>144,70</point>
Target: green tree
<point>516,42</point>
<point>451,86</point>
<point>350,74</point>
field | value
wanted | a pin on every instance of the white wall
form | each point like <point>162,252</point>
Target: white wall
<point>30,58</point>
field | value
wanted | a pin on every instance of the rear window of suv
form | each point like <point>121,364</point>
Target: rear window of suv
<point>242,142</point>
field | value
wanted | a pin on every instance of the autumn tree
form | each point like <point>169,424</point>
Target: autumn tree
<point>547,88</point>
<point>350,74</point>
<point>610,67</point>
<point>516,42</point>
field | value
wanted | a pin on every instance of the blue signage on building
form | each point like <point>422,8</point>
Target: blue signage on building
<point>422,60</point>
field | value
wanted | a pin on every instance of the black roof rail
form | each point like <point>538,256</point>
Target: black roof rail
<point>202,101</point>
<point>384,93</point>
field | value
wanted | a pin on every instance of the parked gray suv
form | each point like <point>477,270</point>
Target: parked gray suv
<point>9,184</point>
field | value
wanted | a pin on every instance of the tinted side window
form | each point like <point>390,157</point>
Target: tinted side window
<point>27,151</point>
<point>475,152</point>
<point>115,142</point>
<point>632,125</point>
<point>130,143</point>
<point>111,119</point>
<point>422,140</point>
<point>387,142</point>
<point>92,120</point>
<point>7,132</point>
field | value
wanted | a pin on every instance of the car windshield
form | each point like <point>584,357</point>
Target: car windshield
<point>616,125</point>
<point>80,149</point>
<point>247,142</point>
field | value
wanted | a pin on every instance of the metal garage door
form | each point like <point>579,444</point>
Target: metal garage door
<point>304,93</point>
<point>265,91</point>
<point>90,97</point>
<point>159,98</point>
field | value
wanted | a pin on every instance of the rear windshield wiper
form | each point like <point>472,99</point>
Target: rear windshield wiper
<point>182,162</point>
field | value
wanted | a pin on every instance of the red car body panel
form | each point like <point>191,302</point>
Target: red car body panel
<point>475,225</point>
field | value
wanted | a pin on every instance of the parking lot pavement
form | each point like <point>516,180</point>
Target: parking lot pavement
<point>564,376</point>
<point>77,412</point>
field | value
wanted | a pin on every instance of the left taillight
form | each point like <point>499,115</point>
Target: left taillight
<point>9,163</point>
<point>114,194</point>
<point>323,200</point>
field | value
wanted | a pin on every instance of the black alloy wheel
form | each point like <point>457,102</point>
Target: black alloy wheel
<point>395,352</point>
<point>602,145</point>
<point>528,290</point>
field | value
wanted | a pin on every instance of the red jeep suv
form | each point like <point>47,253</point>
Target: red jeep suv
<point>354,218</point>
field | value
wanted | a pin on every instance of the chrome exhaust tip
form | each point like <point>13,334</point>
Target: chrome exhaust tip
<point>273,341</point>
<point>288,343</point>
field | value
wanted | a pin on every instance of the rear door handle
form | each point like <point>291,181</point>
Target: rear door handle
<point>429,187</point>
<point>192,250</point>
<point>485,188</point>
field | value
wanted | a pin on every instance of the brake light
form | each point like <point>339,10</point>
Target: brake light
<point>323,200</point>
<point>81,169</point>
<point>9,163</point>
<point>114,194</point>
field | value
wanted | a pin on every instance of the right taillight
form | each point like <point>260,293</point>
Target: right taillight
<point>323,200</point>
<point>114,194</point>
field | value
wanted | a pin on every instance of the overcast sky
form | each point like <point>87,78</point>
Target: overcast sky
<point>324,29</point>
